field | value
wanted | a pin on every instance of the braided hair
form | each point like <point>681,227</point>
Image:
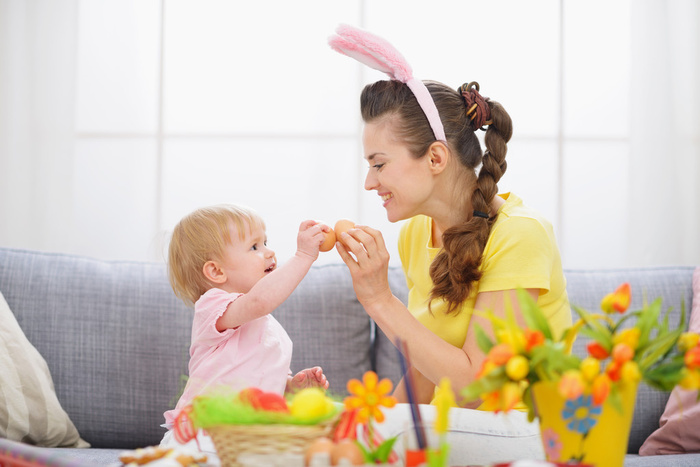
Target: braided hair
<point>456,267</point>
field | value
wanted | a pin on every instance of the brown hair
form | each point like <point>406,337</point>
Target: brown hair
<point>202,236</point>
<point>455,269</point>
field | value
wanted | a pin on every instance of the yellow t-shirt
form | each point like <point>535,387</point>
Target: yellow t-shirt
<point>521,252</point>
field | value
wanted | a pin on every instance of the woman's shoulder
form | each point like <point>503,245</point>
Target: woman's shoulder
<point>515,214</point>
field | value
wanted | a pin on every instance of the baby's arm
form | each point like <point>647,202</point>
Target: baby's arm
<point>273,289</point>
<point>308,378</point>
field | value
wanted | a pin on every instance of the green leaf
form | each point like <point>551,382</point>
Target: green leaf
<point>594,329</point>
<point>648,319</point>
<point>482,339</point>
<point>383,451</point>
<point>534,318</point>
<point>485,384</point>
<point>658,349</point>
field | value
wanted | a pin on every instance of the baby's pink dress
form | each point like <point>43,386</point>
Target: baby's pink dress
<point>256,354</point>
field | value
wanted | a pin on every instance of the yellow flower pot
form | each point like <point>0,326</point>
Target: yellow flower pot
<point>577,430</point>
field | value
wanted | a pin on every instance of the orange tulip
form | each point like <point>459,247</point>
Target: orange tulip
<point>500,354</point>
<point>622,353</point>
<point>533,339</point>
<point>600,389</point>
<point>596,350</point>
<point>692,358</point>
<point>571,384</point>
<point>614,370</point>
<point>617,301</point>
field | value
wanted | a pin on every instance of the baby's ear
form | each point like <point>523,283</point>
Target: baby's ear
<point>213,272</point>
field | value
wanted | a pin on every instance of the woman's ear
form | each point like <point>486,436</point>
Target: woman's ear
<point>438,155</point>
<point>213,272</point>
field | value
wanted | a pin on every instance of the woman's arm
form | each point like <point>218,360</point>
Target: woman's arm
<point>430,355</point>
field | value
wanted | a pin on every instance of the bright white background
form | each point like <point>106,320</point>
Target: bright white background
<point>118,117</point>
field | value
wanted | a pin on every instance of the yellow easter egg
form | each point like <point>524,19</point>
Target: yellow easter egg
<point>310,403</point>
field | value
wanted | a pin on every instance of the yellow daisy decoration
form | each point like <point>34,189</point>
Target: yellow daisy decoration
<point>368,396</point>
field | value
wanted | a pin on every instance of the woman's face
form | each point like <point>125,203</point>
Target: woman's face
<point>403,182</point>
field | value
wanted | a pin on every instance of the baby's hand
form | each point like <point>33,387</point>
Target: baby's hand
<point>308,378</point>
<point>310,238</point>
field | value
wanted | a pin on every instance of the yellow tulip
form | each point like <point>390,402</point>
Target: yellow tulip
<point>444,400</point>
<point>630,372</point>
<point>690,380</point>
<point>687,341</point>
<point>590,368</point>
<point>628,336</point>
<point>517,367</point>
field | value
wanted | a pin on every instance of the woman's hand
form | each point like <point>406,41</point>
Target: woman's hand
<point>368,261</point>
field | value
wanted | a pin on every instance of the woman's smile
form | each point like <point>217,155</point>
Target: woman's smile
<point>386,197</point>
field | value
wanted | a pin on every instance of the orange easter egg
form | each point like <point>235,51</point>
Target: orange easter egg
<point>348,450</point>
<point>319,446</point>
<point>343,225</point>
<point>328,241</point>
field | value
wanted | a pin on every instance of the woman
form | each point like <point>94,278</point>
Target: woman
<point>463,247</point>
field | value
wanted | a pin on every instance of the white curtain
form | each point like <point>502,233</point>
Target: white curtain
<point>664,219</point>
<point>37,87</point>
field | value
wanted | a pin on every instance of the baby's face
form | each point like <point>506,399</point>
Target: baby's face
<point>247,261</point>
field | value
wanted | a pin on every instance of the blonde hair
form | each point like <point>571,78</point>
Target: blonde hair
<point>202,236</point>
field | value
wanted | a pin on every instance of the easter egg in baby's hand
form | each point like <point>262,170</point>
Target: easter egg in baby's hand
<point>343,225</point>
<point>328,240</point>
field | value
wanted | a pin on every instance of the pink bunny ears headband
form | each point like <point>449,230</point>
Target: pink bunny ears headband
<point>377,53</point>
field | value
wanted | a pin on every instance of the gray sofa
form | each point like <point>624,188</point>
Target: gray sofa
<point>116,341</point>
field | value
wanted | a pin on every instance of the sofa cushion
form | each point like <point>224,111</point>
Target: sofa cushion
<point>29,409</point>
<point>679,430</point>
<point>328,326</point>
<point>673,284</point>
<point>114,336</point>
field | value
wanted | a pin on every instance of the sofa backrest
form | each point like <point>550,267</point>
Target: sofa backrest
<point>113,334</point>
<point>116,339</point>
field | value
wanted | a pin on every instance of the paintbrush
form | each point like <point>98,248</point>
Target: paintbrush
<point>410,393</point>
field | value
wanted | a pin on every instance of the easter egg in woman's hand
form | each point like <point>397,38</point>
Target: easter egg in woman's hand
<point>343,225</point>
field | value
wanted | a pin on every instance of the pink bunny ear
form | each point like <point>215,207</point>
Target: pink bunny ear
<point>377,53</point>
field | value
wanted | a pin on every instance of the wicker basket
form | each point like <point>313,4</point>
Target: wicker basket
<point>232,440</point>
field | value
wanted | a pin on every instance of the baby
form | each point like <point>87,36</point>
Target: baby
<point>219,262</point>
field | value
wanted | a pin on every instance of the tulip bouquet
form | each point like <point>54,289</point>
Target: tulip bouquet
<point>639,346</point>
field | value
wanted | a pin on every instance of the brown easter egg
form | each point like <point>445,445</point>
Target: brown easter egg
<point>320,446</point>
<point>343,225</point>
<point>328,241</point>
<point>347,449</point>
